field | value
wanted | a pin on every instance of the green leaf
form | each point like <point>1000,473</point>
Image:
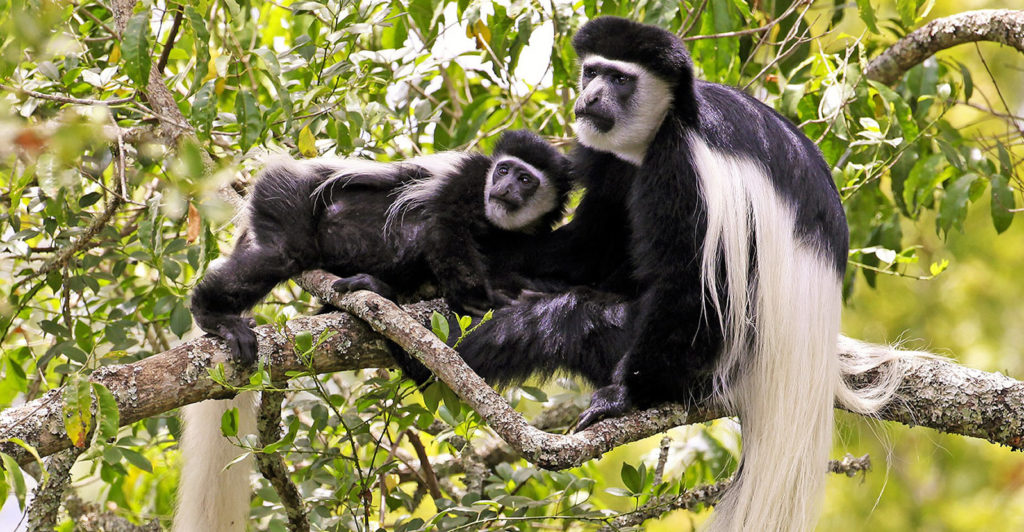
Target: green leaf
<point>422,13</point>
<point>867,14</point>
<point>451,400</point>
<point>953,210</point>
<point>204,108</point>
<point>907,10</point>
<point>135,48</point>
<point>136,459</point>
<point>631,478</point>
<point>1002,202</point>
<point>439,324</point>
<point>108,416</point>
<point>202,43</point>
<point>247,114</point>
<point>77,409</point>
<point>464,322</point>
<point>5,488</point>
<point>229,423</point>
<point>1005,164</point>
<point>83,336</point>
<point>432,395</point>
<point>968,81</point>
<point>743,8</point>
<point>181,319</point>
<point>619,492</point>
<point>217,374</point>
<point>303,341</point>
<point>534,393</point>
<point>922,180</point>
<point>16,477</point>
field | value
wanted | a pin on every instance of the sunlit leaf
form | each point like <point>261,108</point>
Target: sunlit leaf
<point>249,120</point>
<point>136,48</point>
<point>77,409</point>
<point>307,143</point>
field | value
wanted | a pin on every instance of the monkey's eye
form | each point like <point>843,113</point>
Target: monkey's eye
<point>524,179</point>
<point>620,79</point>
<point>589,72</point>
<point>502,170</point>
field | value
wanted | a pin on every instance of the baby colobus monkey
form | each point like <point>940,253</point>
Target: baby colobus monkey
<point>737,246</point>
<point>389,227</point>
<point>465,220</point>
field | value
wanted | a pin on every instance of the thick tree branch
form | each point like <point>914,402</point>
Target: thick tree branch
<point>1004,26</point>
<point>935,393</point>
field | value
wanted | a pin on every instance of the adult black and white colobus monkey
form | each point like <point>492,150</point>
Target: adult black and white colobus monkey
<point>737,245</point>
<point>446,217</point>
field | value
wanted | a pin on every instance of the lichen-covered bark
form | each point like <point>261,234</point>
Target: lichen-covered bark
<point>46,498</point>
<point>960,400</point>
<point>1005,26</point>
<point>272,466</point>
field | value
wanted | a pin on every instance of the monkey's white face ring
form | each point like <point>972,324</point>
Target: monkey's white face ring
<point>638,119</point>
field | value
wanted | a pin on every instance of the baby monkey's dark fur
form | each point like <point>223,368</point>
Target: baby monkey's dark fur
<point>389,227</point>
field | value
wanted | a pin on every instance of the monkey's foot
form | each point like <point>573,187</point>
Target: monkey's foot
<point>609,401</point>
<point>362,281</point>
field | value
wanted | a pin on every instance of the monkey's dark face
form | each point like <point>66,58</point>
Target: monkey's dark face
<point>517,195</point>
<point>605,91</point>
<point>620,106</point>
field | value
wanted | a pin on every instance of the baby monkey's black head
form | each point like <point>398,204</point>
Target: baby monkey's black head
<point>527,184</point>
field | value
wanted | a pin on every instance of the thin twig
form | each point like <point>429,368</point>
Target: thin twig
<point>161,64</point>
<point>693,18</point>
<point>659,469</point>
<point>429,478</point>
<point>995,84</point>
<point>98,22</point>
<point>66,99</point>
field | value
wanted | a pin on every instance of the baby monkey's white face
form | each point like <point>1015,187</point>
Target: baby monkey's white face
<point>620,107</point>
<point>517,195</point>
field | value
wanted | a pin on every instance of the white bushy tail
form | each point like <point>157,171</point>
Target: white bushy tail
<point>857,358</point>
<point>779,371</point>
<point>211,498</point>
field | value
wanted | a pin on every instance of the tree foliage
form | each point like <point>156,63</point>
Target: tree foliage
<point>108,218</point>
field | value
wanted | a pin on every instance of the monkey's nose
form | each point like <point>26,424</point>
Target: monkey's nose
<point>502,192</point>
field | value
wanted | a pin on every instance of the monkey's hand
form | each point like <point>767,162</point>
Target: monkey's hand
<point>609,401</point>
<point>235,330</point>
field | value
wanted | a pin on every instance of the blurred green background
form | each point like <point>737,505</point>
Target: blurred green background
<point>918,165</point>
